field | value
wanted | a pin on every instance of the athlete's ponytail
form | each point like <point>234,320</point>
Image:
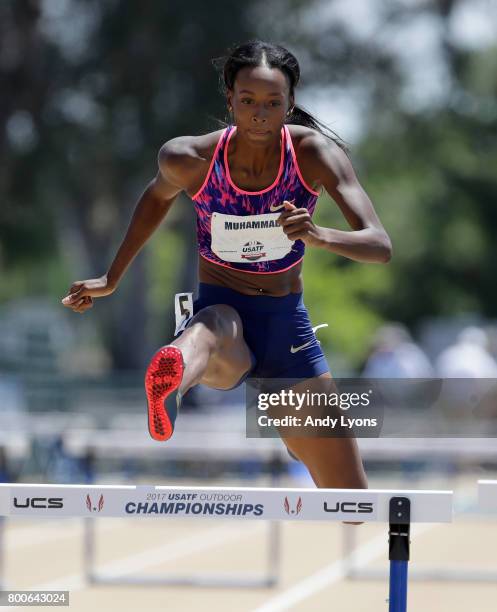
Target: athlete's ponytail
<point>258,53</point>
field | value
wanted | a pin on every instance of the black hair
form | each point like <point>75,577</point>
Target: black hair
<point>256,53</point>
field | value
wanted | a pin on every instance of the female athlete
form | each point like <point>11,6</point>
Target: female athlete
<point>254,185</point>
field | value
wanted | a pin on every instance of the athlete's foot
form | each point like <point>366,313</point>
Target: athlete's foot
<point>163,376</point>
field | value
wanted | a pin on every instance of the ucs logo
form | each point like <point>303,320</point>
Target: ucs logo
<point>298,508</point>
<point>93,508</point>
<point>39,502</point>
<point>353,507</point>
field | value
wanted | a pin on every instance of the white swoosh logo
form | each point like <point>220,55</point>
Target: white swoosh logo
<point>296,349</point>
<point>273,208</point>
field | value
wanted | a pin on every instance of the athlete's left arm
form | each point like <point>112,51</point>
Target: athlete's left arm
<point>323,162</point>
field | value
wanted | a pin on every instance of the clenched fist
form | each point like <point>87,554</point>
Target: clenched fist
<point>298,225</point>
<point>81,293</point>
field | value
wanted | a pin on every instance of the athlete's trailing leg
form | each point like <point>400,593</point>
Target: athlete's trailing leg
<point>333,462</point>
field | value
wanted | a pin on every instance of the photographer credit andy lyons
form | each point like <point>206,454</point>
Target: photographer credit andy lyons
<point>288,408</point>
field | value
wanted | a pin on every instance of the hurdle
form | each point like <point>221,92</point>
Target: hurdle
<point>487,504</point>
<point>398,508</point>
<point>193,446</point>
<point>487,496</point>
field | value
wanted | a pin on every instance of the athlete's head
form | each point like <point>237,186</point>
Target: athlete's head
<point>259,79</point>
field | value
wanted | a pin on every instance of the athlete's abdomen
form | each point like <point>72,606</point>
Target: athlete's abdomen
<point>277,284</point>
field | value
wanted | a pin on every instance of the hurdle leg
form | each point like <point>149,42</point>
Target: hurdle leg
<point>349,545</point>
<point>276,469</point>
<point>2,549</point>
<point>399,531</point>
<point>274,556</point>
<point>89,550</point>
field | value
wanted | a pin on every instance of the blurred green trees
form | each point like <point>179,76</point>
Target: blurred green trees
<point>429,170</point>
<point>432,180</point>
<point>90,90</point>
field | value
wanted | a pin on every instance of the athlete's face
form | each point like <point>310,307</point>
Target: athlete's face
<point>260,100</point>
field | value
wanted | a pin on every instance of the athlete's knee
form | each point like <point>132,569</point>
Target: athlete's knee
<point>220,319</point>
<point>229,321</point>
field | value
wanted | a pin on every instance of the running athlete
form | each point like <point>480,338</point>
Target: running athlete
<point>254,185</point>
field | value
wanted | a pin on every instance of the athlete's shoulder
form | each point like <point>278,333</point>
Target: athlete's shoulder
<point>318,155</point>
<point>298,132</point>
<point>310,142</point>
<point>184,157</point>
<point>205,144</point>
<point>319,158</point>
<point>186,148</point>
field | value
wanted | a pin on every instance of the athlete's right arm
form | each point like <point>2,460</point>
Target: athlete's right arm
<point>175,170</point>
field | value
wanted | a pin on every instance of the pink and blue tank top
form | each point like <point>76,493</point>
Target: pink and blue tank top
<point>237,228</point>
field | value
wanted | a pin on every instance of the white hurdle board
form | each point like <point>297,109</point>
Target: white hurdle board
<point>365,505</point>
<point>487,496</point>
<point>270,504</point>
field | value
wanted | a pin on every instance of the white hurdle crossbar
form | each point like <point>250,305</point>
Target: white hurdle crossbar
<point>263,503</point>
<point>245,503</point>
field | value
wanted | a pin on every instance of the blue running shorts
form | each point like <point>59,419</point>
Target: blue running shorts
<point>277,330</point>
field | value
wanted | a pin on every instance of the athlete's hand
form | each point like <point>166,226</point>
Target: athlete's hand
<point>81,293</point>
<point>298,225</point>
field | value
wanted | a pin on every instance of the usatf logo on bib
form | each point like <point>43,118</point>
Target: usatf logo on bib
<point>253,250</point>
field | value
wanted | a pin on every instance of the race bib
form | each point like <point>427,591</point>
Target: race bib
<point>183,310</point>
<point>245,239</point>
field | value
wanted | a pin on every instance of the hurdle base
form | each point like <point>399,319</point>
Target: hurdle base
<point>427,574</point>
<point>228,580</point>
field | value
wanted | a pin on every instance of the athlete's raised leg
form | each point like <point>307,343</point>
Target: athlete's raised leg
<point>214,349</point>
<point>211,351</point>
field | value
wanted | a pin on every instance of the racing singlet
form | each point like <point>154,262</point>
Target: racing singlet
<point>237,228</point>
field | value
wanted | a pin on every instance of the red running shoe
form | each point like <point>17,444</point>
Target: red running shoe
<point>164,375</point>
